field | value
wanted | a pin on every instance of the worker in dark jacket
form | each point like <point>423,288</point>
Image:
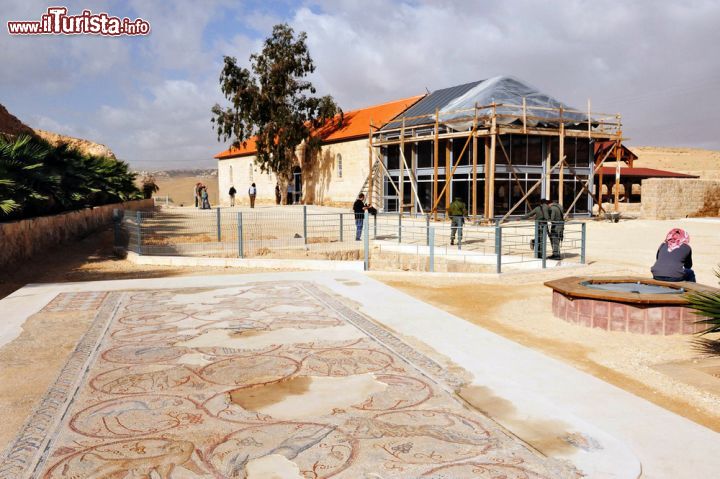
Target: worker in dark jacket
<point>457,211</point>
<point>359,208</point>
<point>557,228</point>
<point>541,214</point>
<point>673,260</point>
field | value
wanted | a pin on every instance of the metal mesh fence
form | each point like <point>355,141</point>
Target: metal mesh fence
<point>393,242</point>
<point>288,233</point>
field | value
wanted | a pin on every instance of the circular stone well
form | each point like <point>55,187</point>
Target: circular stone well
<point>628,304</point>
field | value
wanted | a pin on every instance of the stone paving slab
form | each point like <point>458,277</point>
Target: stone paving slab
<point>258,380</point>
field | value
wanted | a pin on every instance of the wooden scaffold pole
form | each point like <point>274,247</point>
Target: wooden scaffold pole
<point>561,154</point>
<point>448,176</point>
<point>401,205</point>
<point>618,154</point>
<point>436,153</point>
<point>371,172</point>
<point>491,177</point>
<point>474,166</point>
<point>486,183</point>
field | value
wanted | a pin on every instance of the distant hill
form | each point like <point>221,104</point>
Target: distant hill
<point>694,161</point>
<point>195,173</point>
<point>12,126</point>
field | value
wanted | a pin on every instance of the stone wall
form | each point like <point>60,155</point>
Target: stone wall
<point>667,198</point>
<point>22,239</point>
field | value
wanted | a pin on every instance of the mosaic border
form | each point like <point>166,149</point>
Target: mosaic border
<point>439,374</point>
<point>22,456</point>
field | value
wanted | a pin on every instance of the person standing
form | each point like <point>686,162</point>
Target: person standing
<point>457,212</point>
<point>252,193</point>
<point>557,228</point>
<point>196,194</point>
<point>278,195</point>
<point>232,193</point>
<point>359,208</point>
<point>541,214</point>
<point>290,193</point>
<point>673,260</point>
<point>205,200</point>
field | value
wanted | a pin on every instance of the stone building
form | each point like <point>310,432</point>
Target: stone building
<point>334,175</point>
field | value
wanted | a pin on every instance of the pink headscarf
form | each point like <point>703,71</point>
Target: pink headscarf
<point>675,238</point>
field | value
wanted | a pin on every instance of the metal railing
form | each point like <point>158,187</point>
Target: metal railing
<point>385,241</point>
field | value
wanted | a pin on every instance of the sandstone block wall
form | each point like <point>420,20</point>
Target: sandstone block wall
<point>667,198</point>
<point>322,182</point>
<point>22,239</point>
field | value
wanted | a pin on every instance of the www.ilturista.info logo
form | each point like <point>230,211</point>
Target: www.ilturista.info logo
<point>56,21</point>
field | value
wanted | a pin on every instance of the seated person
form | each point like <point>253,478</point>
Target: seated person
<point>673,259</point>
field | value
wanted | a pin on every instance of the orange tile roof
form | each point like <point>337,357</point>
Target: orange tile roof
<point>247,148</point>
<point>356,124</point>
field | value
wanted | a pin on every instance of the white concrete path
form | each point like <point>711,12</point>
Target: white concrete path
<point>629,436</point>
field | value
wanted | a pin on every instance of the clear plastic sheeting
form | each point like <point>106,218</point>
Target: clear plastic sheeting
<point>505,91</point>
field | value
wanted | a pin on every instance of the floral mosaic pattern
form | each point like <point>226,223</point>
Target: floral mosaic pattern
<point>153,396</point>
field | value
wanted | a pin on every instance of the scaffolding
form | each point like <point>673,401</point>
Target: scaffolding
<point>496,128</point>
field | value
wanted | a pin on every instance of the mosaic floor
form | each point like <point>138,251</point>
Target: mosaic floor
<point>265,380</point>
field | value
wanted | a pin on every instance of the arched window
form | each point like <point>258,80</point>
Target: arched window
<point>250,172</point>
<point>230,174</point>
<point>338,161</point>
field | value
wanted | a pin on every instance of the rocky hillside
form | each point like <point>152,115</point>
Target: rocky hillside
<point>86,146</point>
<point>12,126</point>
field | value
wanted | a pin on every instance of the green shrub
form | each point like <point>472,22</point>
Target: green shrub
<point>707,304</point>
<point>37,178</point>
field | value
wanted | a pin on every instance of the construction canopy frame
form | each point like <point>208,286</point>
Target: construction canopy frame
<point>530,139</point>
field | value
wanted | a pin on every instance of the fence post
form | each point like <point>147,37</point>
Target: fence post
<point>117,222</point>
<point>536,243</point>
<point>375,225</point>
<point>240,235</point>
<point>498,248</point>
<point>544,246</point>
<point>341,227</point>
<point>400,227</point>
<point>366,239</point>
<point>431,247</point>
<point>138,222</point>
<point>219,236</point>
<point>305,223</point>
<point>460,232</point>
<point>583,237</point>
<point>427,229</point>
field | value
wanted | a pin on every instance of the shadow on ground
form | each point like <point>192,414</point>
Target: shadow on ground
<point>88,259</point>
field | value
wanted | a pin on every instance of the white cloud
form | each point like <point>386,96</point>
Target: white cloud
<point>55,63</point>
<point>170,129</point>
<point>653,62</point>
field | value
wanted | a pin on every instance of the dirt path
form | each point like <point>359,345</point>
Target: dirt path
<point>521,312</point>
<point>91,259</point>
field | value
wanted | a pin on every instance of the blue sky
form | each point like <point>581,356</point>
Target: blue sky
<point>149,98</point>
